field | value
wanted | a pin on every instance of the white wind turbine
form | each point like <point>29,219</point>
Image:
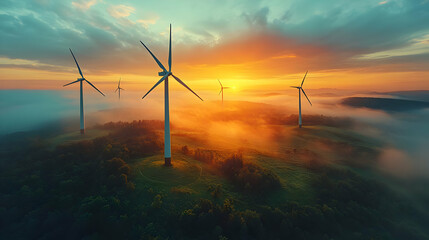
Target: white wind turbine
<point>82,121</point>
<point>165,74</point>
<point>221,89</point>
<point>119,88</point>
<point>299,92</point>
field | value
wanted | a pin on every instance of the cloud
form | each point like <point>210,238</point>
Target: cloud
<point>257,18</point>
<point>120,11</point>
<point>45,34</point>
<point>284,56</point>
<point>356,27</point>
<point>146,22</point>
<point>7,63</point>
<point>417,47</point>
<point>250,43</point>
<point>23,63</point>
<point>84,4</point>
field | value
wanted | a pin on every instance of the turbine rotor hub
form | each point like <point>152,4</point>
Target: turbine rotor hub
<point>163,73</point>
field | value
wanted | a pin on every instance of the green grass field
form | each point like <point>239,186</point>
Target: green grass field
<point>75,136</point>
<point>288,160</point>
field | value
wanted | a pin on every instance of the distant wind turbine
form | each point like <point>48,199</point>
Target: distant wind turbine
<point>166,74</point>
<point>221,89</point>
<point>119,88</point>
<point>299,91</point>
<point>82,121</point>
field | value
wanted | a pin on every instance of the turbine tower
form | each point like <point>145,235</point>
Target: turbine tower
<point>299,92</point>
<point>221,89</point>
<point>119,88</point>
<point>165,74</point>
<point>82,121</point>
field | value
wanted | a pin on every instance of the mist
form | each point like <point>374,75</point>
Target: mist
<point>252,124</point>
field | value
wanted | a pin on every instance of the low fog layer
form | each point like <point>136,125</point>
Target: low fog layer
<point>252,123</point>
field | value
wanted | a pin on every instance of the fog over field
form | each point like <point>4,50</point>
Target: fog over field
<point>402,134</point>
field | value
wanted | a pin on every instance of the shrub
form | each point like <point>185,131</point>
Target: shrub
<point>157,201</point>
<point>253,178</point>
<point>231,166</point>
<point>204,155</point>
<point>181,190</point>
<point>185,150</point>
<point>215,191</point>
<point>116,166</point>
<point>249,177</point>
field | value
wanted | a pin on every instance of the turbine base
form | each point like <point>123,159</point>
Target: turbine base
<point>167,162</point>
<point>82,131</point>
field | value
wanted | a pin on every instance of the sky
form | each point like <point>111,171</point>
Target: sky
<point>367,45</point>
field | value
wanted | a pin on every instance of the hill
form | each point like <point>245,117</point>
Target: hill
<point>419,95</point>
<point>385,104</point>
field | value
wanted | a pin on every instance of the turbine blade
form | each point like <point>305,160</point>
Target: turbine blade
<point>71,83</point>
<point>119,83</point>
<point>306,96</point>
<point>169,53</point>
<point>80,72</point>
<point>180,81</point>
<point>220,91</point>
<point>156,84</point>
<point>226,87</point>
<point>304,78</point>
<point>94,87</point>
<point>116,90</point>
<point>220,83</point>
<point>156,59</point>
<point>294,87</point>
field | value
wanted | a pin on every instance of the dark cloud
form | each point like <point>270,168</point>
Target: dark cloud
<point>46,33</point>
<point>258,18</point>
<point>52,68</point>
<point>376,28</point>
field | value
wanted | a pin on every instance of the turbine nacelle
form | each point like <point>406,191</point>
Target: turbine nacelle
<point>163,73</point>
<point>300,89</point>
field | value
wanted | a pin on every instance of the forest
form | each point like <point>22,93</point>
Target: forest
<point>93,189</point>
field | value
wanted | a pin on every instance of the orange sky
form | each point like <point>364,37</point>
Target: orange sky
<point>261,51</point>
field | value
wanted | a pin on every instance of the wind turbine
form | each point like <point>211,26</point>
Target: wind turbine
<point>82,121</point>
<point>299,91</point>
<point>119,88</point>
<point>221,89</point>
<point>165,74</point>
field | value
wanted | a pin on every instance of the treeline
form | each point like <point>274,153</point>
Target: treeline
<point>311,120</point>
<point>247,177</point>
